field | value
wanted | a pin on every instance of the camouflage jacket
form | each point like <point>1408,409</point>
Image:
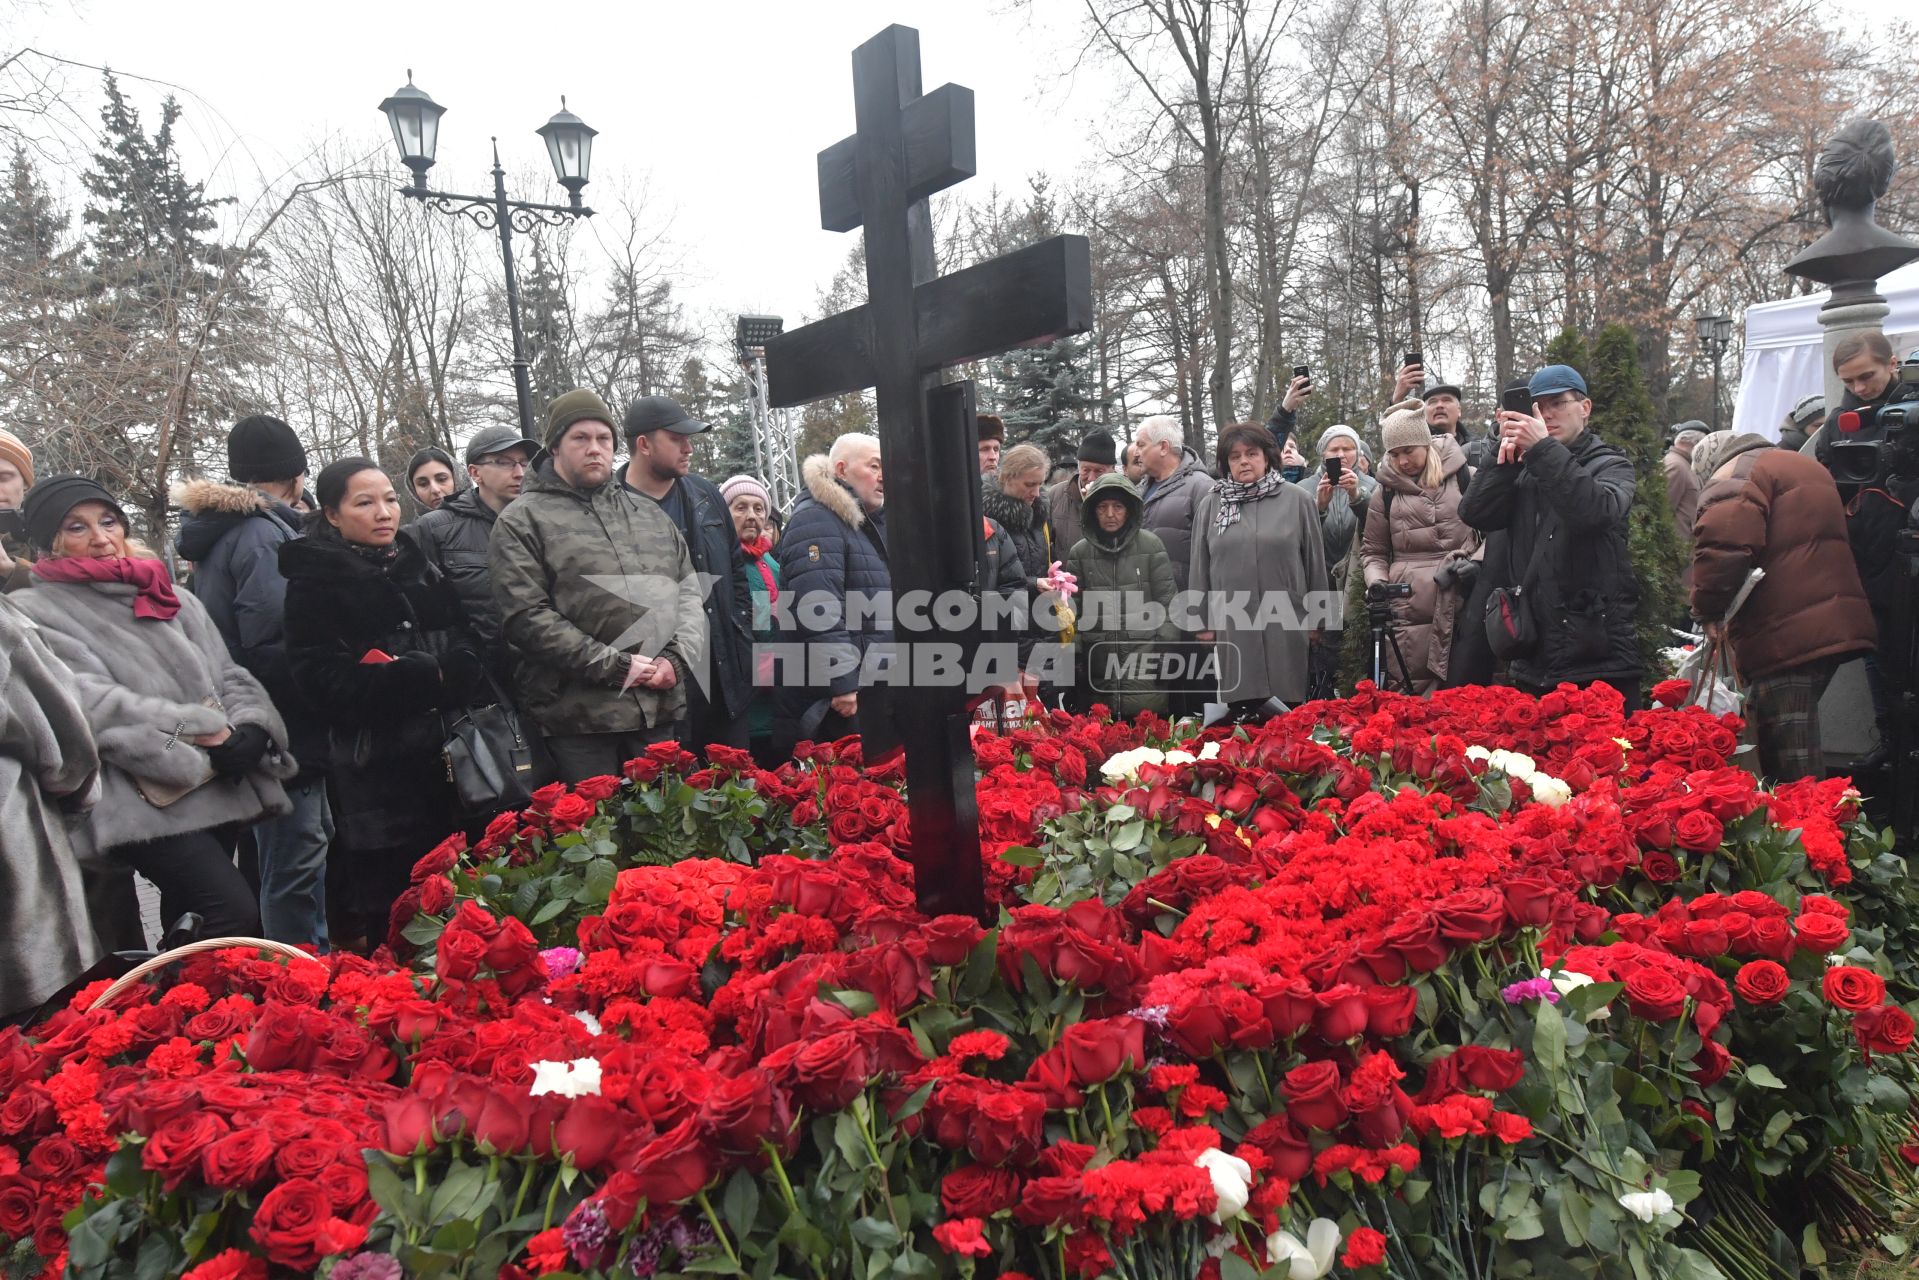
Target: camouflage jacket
<point>583,579</point>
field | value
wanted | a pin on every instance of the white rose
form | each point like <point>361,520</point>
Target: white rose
<point>1310,1260</point>
<point>1646,1205</point>
<point>579,1078</point>
<point>1232,1181</point>
<point>1549,791</point>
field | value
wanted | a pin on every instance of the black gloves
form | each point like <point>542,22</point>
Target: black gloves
<point>241,751</point>
<point>1458,573</point>
<point>462,677</point>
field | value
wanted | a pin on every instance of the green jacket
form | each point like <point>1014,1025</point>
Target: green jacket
<point>585,578</point>
<point>1120,576</point>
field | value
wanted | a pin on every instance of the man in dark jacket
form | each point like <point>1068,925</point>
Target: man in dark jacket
<point>1771,509</point>
<point>232,533</point>
<point>1175,482</point>
<point>1555,504</point>
<point>455,535</point>
<point>660,435</point>
<point>836,603</point>
<point>1875,514</point>
<point>598,600</point>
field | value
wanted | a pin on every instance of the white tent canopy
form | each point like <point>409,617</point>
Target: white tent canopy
<point>1785,350</point>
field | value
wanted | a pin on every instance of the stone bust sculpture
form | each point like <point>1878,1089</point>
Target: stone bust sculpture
<point>1853,171</point>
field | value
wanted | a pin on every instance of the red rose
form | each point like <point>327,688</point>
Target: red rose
<point>1658,866</point>
<point>601,788</point>
<point>514,945</point>
<point>1096,1051</point>
<point>344,1182</point>
<point>1493,1070</point>
<point>588,1131</point>
<point>1711,1063</point>
<point>1312,1096</point>
<point>1762,982</point>
<point>829,1072</point>
<point>19,1206</point>
<point>1471,915</point>
<point>742,1111</point>
<point>1530,900</point>
<point>1820,933</point>
<point>978,1191</point>
<point>1285,1144</point>
<point>1389,1011</point>
<point>290,1221</point>
<point>1060,1198</point>
<point>173,1150</point>
<point>950,939</point>
<point>1772,937</point>
<point>238,1160</point>
<point>847,826</point>
<point>505,1119</point>
<point>1289,1003</point>
<point>436,895</point>
<point>1342,1013</point>
<point>1009,1127</point>
<point>570,813</point>
<point>1854,989</point>
<point>303,1158</point>
<point>408,1126</point>
<point>1887,1029</point>
<point>460,952</point>
<point>222,1019</point>
<point>29,1112</point>
<point>1698,832</point>
<point>675,1166</point>
<point>1654,994</point>
<point>57,1159</point>
<point>443,857</point>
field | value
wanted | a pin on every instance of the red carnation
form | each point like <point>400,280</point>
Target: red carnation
<point>1365,1247</point>
<point>962,1237</point>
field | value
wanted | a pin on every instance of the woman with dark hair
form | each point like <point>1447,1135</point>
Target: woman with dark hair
<point>1258,557</point>
<point>378,643</point>
<point>431,477</point>
<point>191,747</point>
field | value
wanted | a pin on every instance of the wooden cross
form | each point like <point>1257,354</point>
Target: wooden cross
<point>907,146</point>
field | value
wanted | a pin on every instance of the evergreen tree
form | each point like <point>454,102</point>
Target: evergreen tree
<point>39,282</point>
<point>547,322</point>
<point>1054,399</point>
<point>726,450</point>
<point>1623,417</point>
<point>1570,348</point>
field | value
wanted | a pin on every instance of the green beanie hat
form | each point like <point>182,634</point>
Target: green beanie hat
<point>572,407</point>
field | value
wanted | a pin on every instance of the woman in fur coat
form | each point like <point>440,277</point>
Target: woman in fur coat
<point>191,747</point>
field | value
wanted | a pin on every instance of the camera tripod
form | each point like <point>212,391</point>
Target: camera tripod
<point>1385,639</point>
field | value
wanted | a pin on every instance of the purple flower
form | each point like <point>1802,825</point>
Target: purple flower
<point>1532,989</point>
<point>561,961</point>
<point>1152,1015</point>
<point>586,1233</point>
<point>368,1266</point>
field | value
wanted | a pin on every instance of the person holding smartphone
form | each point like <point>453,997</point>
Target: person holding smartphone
<point>1555,509</point>
<point>1340,492</point>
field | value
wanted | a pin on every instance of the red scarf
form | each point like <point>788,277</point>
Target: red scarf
<point>154,596</point>
<point>756,551</point>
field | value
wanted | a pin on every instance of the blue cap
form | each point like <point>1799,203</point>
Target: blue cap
<point>1555,378</point>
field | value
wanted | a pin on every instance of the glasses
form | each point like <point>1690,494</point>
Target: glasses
<point>499,460</point>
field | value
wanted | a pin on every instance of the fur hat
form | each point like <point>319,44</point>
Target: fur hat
<point>1404,426</point>
<point>992,427</point>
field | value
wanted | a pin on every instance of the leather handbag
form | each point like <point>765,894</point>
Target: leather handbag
<point>489,758</point>
<point>1511,631</point>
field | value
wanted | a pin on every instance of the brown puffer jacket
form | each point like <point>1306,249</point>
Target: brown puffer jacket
<point>1409,540</point>
<point>1778,511</point>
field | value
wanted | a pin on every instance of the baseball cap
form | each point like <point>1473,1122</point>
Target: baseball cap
<point>1555,378</point>
<point>498,439</point>
<point>660,413</point>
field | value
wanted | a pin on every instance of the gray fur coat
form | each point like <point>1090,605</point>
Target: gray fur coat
<point>144,685</point>
<point>47,759</point>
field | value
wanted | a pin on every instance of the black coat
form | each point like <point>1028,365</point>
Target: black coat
<point>1557,523</point>
<point>454,538</point>
<point>714,547</point>
<point>386,719</point>
<point>1026,524</point>
<point>1874,517</point>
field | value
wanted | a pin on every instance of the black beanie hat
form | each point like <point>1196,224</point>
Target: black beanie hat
<point>262,449</point>
<point>1098,447</point>
<point>47,504</point>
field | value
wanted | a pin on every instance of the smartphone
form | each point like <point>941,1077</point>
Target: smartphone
<point>1302,371</point>
<point>1334,469</point>
<point>13,526</point>
<point>1517,398</point>
<point>1413,358</point>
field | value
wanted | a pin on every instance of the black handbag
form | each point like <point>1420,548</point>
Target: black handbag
<point>1510,630</point>
<point>489,759</point>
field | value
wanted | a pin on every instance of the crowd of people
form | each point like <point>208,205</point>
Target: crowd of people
<point>269,746</point>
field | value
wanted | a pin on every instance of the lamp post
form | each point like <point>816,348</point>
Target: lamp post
<point>415,118</point>
<point>1715,336</point>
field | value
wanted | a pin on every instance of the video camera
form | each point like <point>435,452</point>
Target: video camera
<point>1870,463</point>
<point>1380,595</point>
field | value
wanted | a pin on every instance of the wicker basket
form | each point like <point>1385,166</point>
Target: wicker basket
<point>166,958</point>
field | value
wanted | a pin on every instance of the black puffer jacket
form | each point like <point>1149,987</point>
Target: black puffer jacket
<point>831,547</point>
<point>386,719</point>
<point>1874,516</point>
<point>454,538</point>
<point>232,533</point>
<point>1557,524</point>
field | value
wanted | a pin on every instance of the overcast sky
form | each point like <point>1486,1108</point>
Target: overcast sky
<point>718,109</point>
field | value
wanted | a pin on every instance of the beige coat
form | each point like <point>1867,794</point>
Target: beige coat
<point>1424,534</point>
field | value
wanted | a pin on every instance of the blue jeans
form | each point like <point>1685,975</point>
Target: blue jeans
<point>293,853</point>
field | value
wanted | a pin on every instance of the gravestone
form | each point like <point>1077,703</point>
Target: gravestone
<point>914,324</point>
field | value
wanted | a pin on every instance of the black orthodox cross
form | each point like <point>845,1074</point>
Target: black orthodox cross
<point>907,146</point>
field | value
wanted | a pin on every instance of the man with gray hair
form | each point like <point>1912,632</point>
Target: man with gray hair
<point>1682,487</point>
<point>833,555</point>
<point>1175,482</point>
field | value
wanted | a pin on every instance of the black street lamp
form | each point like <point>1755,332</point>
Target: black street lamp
<point>1715,336</point>
<point>415,118</point>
